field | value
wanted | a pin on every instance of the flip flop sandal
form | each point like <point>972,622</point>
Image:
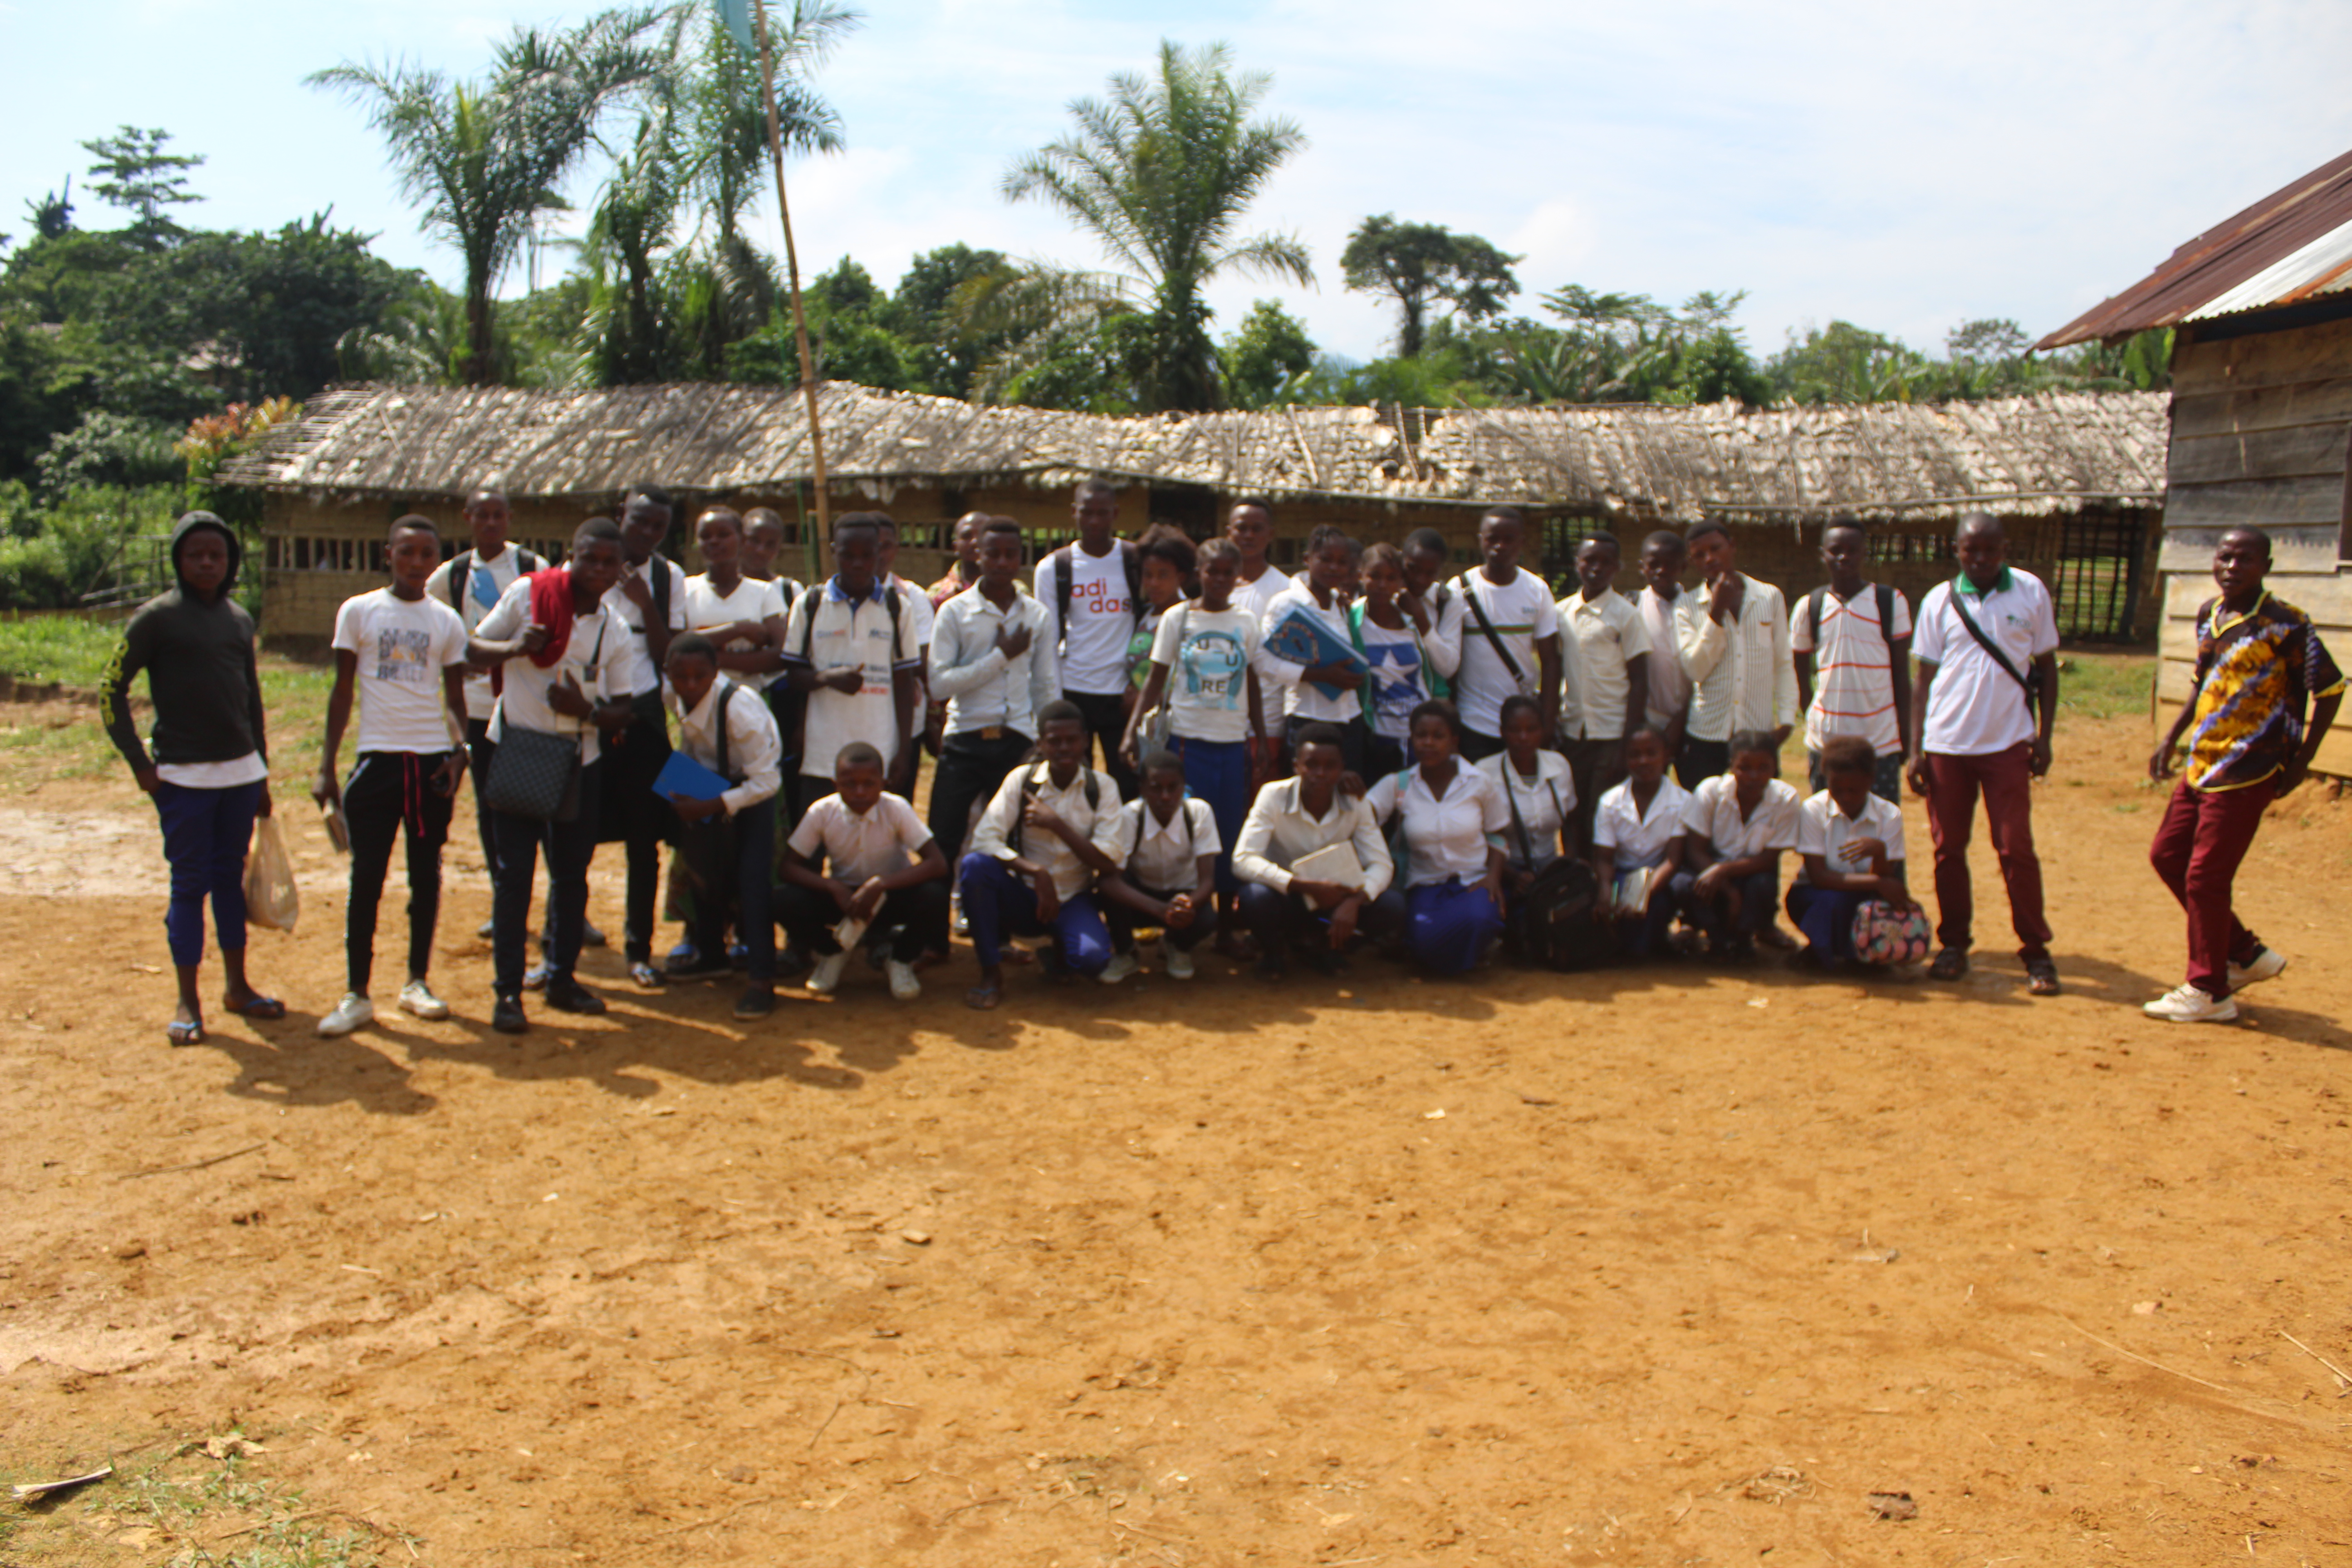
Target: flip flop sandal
<point>1950,964</point>
<point>266,1009</point>
<point>983,998</point>
<point>185,1031</point>
<point>2042,978</point>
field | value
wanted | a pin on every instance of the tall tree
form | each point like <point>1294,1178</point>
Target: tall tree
<point>1160,174</point>
<point>486,160</point>
<point>1421,264</point>
<point>142,179</point>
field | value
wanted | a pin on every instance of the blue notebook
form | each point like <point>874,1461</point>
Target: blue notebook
<point>683,775</point>
<point>1303,638</point>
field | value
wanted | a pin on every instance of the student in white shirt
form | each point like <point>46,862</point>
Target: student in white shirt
<point>1453,876</point>
<point>742,615</point>
<point>1739,824</point>
<point>1977,727</point>
<point>649,607</point>
<point>1291,820</point>
<point>1052,829</point>
<point>728,841</point>
<point>1250,528</point>
<point>1732,636</point>
<point>1638,828</point>
<point>1320,595</point>
<point>763,541</point>
<point>1608,646</point>
<point>405,654</point>
<point>1433,602</point>
<point>992,659</point>
<point>1510,636</point>
<point>1392,631</point>
<point>574,681</point>
<point>1093,593</point>
<point>850,644</point>
<point>1850,842</point>
<point>1168,878</point>
<point>1538,791</point>
<point>1669,684</point>
<point>861,854</point>
<point>1855,635</point>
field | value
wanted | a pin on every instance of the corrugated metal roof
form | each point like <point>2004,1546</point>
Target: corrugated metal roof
<point>2292,244</point>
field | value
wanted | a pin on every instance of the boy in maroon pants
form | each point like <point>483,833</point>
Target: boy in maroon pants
<point>2258,662</point>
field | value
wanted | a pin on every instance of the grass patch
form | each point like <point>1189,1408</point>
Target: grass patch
<point>69,648</point>
<point>2101,685</point>
<point>38,744</point>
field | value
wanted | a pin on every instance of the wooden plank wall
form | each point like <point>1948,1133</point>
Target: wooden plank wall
<point>2259,427</point>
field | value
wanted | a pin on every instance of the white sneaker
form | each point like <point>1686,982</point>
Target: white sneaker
<point>349,1013</point>
<point>1120,966</point>
<point>417,997</point>
<point>2269,964</point>
<point>824,976</point>
<point>904,986</point>
<point>1176,960</point>
<point>486,931</point>
<point>2188,1005</point>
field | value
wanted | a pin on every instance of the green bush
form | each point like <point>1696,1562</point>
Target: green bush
<point>53,553</point>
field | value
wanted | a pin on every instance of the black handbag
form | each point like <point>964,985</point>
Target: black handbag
<point>1552,922</point>
<point>536,773</point>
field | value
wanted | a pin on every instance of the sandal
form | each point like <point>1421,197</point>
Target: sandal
<point>2042,977</point>
<point>983,998</point>
<point>1950,964</point>
<point>266,1009</point>
<point>185,1031</point>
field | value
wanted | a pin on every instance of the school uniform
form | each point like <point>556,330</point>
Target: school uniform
<point>635,761</point>
<point>1600,639</point>
<point>1207,654</point>
<point>1450,916</point>
<point>1741,675</point>
<point>1713,819</point>
<point>1539,807</point>
<point>855,848</point>
<point>828,630</point>
<point>1163,861</point>
<point>992,702</point>
<point>402,649</point>
<point>1669,683</point>
<point>1854,675</point>
<point>596,656</point>
<point>472,586</point>
<point>1825,915</point>
<point>738,854</point>
<point>1639,839</point>
<point>1498,653</point>
<point>999,902</point>
<point>1978,739</point>
<point>1302,702</point>
<point>1279,832</point>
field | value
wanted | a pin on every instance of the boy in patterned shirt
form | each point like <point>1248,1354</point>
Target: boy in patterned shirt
<point>2259,661</point>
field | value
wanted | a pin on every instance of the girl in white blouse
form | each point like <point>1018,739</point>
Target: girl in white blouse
<point>1453,875</point>
<point>1638,838</point>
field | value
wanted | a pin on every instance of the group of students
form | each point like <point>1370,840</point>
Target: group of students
<point>1367,752</point>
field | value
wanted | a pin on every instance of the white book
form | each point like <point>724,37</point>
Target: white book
<point>1332,863</point>
<point>849,933</point>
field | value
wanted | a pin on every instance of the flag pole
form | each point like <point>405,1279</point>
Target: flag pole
<point>759,10</point>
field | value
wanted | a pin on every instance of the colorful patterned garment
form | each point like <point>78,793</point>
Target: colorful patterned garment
<point>2255,675</point>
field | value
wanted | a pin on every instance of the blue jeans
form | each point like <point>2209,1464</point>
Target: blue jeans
<point>998,903</point>
<point>1450,924</point>
<point>1277,919</point>
<point>1825,918</point>
<point>1218,772</point>
<point>205,832</point>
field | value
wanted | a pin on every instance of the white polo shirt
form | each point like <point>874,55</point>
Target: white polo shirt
<point>1714,814</point>
<point>1822,829</point>
<point>842,634</point>
<point>1445,835</point>
<point>1640,839</point>
<point>1974,709</point>
<point>1599,636</point>
<point>853,847</point>
<point>1165,856</point>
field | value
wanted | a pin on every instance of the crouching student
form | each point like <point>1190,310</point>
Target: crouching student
<point>1538,793</point>
<point>1052,829</point>
<point>404,655</point>
<point>861,854</point>
<point>1297,823</point>
<point>1738,825</point>
<point>1453,874</point>
<point>1169,876</point>
<point>1851,841</point>
<point>730,840</point>
<point>1638,841</point>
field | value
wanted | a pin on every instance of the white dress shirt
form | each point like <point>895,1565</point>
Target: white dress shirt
<point>1099,822</point>
<point>1279,832</point>
<point>638,666</point>
<point>1714,814</point>
<point>982,689</point>
<point>1822,829</point>
<point>1670,683</point>
<point>754,754</point>
<point>1618,824</point>
<point>1165,856</point>
<point>1741,675</point>
<point>1599,638</point>
<point>1445,834</point>
<point>1544,802</point>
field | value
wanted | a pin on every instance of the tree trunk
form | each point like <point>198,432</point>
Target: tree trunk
<point>1408,340</point>
<point>480,370</point>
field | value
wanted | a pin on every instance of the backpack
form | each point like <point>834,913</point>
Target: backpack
<point>1066,565</point>
<point>814,596</point>
<point>1819,597</point>
<point>461,573</point>
<point>1552,923</point>
<point>1035,782</point>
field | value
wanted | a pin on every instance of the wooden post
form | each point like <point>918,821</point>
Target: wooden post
<point>792,275</point>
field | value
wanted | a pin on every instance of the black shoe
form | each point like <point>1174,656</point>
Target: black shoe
<point>570,996</point>
<point>536,976</point>
<point>758,1001</point>
<point>697,968</point>
<point>590,936</point>
<point>507,1017</point>
<point>793,962</point>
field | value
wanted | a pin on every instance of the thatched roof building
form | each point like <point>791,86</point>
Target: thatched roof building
<point>362,453</point>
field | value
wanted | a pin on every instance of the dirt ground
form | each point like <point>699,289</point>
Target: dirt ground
<point>1676,1266</point>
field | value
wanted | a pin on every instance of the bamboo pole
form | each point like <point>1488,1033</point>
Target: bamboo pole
<point>817,546</point>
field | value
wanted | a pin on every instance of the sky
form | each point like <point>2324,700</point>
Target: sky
<point>1906,168</point>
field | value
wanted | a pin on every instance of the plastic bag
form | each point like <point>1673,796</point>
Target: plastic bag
<point>271,900</point>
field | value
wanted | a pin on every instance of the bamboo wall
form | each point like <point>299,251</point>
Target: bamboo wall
<point>2259,426</point>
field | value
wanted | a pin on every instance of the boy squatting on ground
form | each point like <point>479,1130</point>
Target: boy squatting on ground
<point>1739,824</point>
<point>1291,819</point>
<point>404,654</point>
<point>1168,878</point>
<point>862,855</point>
<point>726,842</point>
<point>1851,841</point>
<point>2259,661</point>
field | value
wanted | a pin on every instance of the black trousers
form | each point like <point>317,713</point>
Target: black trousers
<point>971,769</point>
<point>570,846</point>
<point>1122,919</point>
<point>1105,717</point>
<point>912,918</point>
<point>1701,761</point>
<point>387,791</point>
<point>629,817</point>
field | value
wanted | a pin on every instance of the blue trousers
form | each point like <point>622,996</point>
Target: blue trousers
<point>1279,919</point>
<point>998,903</point>
<point>1825,917</point>
<point>1217,772</point>
<point>205,832</point>
<point>1759,895</point>
<point>1640,938</point>
<point>1449,924</point>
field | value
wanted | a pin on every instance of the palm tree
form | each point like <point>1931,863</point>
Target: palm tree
<point>1160,174</point>
<point>486,161</point>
